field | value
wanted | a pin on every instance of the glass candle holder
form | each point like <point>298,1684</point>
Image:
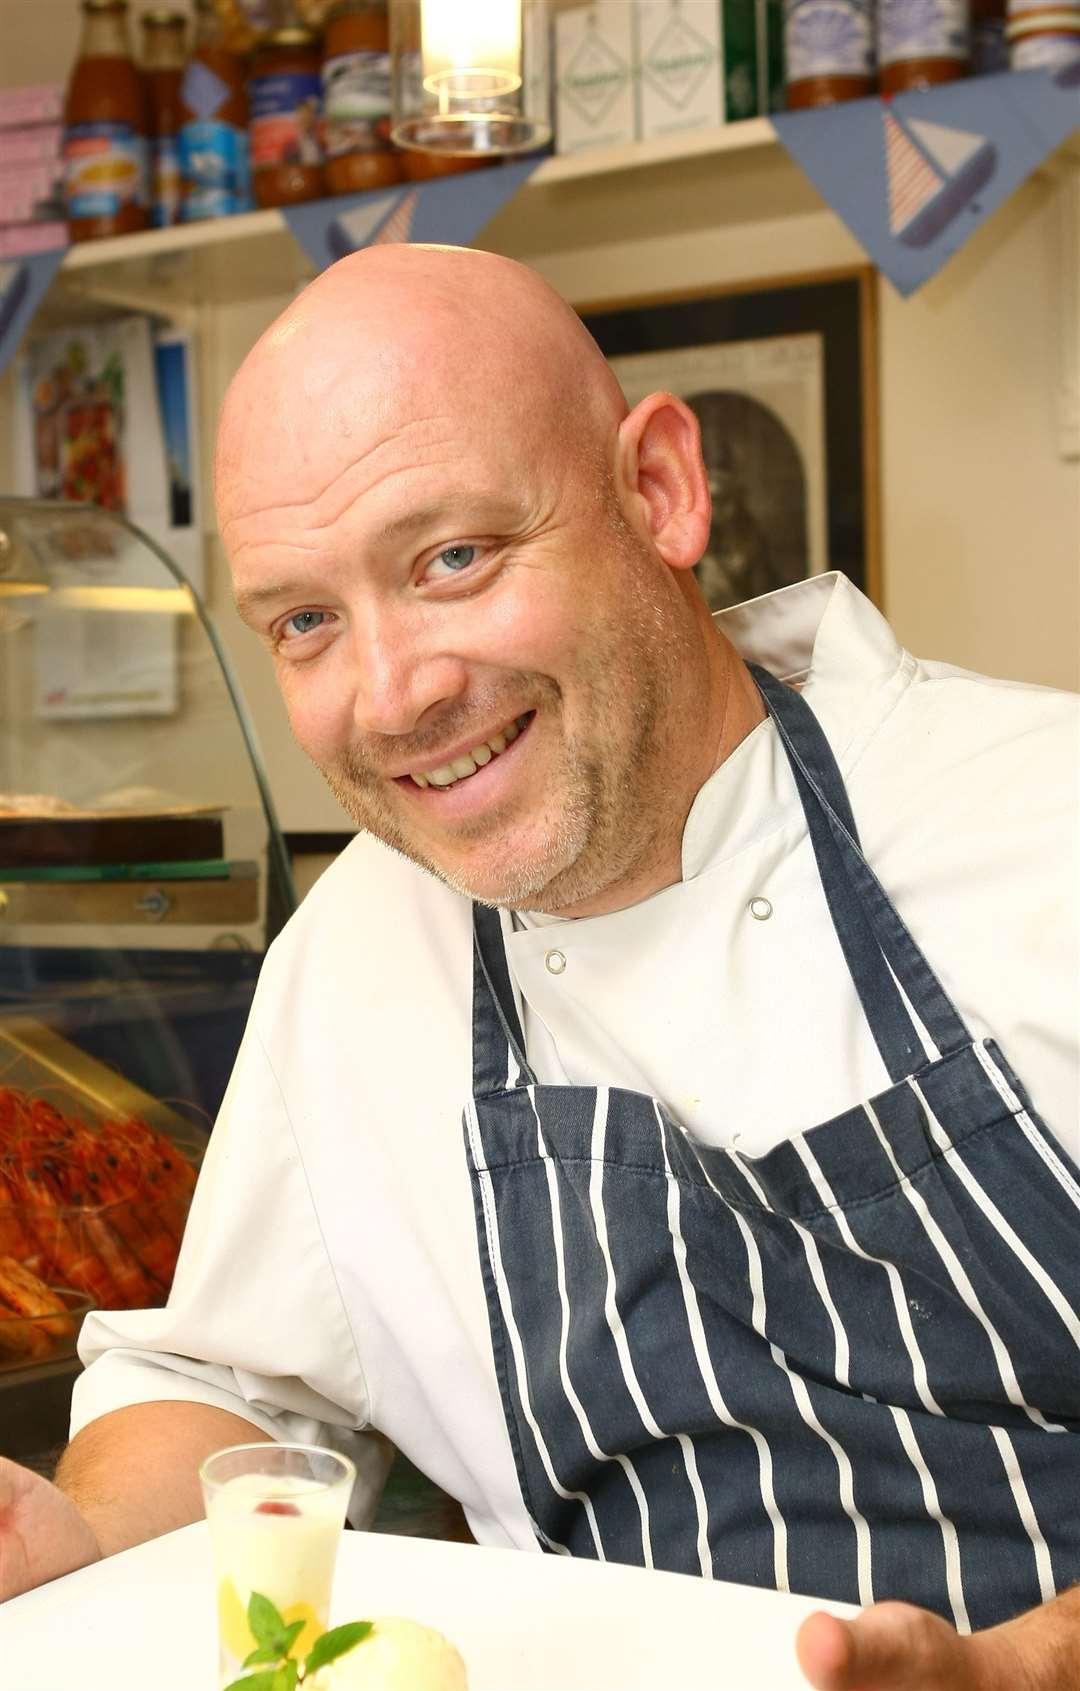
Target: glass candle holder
<point>470,81</point>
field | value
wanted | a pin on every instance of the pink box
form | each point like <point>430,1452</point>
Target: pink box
<point>31,237</point>
<point>41,103</point>
<point>35,179</point>
<point>35,144</point>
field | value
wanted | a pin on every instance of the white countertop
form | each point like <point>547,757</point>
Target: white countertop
<point>145,1621</point>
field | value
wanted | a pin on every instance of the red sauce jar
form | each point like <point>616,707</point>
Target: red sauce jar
<point>356,98</point>
<point>285,123</point>
<point>107,127</point>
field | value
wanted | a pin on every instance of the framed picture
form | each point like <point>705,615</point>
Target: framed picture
<point>782,379</point>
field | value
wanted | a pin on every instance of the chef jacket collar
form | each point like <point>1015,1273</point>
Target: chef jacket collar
<point>825,637</point>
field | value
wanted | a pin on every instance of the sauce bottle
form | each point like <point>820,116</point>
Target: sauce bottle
<point>215,169</point>
<point>106,130</point>
<point>828,51</point>
<point>919,46</point>
<point>285,99</point>
<point>163,65</point>
<point>356,98</point>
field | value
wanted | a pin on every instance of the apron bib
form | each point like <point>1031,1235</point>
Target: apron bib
<point>848,1368</point>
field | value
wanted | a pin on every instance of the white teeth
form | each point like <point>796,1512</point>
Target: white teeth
<point>469,762</point>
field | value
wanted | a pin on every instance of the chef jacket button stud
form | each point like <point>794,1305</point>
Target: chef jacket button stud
<point>554,962</point>
<point>760,909</point>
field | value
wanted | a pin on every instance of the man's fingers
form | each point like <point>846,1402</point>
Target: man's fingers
<point>889,1647</point>
<point>824,1648</point>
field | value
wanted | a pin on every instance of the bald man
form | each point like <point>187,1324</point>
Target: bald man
<point>660,1122</point>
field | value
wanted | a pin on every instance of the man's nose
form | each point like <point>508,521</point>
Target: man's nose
<point>401,676</point>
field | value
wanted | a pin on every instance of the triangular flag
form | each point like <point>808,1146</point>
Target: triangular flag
<point>23,281</point>
<point>914,177</point>
<point>449,210</point>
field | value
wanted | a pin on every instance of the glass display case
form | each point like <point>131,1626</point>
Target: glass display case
<point>142,876</point>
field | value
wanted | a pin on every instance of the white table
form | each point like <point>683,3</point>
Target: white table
<point>144,1620</point>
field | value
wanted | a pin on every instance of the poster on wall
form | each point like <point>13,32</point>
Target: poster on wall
<point>781,381</point>
<point>90,430</point>
<point>760,407</point>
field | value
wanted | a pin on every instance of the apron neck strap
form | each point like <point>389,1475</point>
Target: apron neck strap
<point>499,1061</point>
<point>879,949</point>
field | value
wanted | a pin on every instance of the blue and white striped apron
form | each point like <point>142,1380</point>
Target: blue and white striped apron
<point>848,1368</point>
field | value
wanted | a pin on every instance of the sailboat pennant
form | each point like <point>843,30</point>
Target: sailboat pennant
<point>914,177</point>
<point>449,210</point>
<point>23,282</point>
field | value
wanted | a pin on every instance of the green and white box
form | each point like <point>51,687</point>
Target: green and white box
<point>679,43</point>
<point>595,76</point>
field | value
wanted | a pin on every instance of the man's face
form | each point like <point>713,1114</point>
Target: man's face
<point>473,648</point>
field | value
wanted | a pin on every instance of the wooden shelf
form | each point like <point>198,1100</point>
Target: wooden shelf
<point>727,176</point>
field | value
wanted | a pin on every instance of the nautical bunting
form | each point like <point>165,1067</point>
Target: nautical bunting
<point>23,281</point>
<point>914,177</point>
<point>449,210</point>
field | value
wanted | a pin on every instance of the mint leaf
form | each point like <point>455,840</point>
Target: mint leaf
<point>264,1653</point>
<point>290,1635</point>
<point>334,1643</point>
<point>266,1624</point>
<point>286,1676</point>
<point>256,1682</point>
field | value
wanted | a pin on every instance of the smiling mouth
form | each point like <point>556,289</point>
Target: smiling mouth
<point>460,768</point>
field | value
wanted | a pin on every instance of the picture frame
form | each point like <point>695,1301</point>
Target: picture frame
<point>782,377</point>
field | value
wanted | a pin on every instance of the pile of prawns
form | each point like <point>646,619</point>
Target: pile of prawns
<point>97,1208</point>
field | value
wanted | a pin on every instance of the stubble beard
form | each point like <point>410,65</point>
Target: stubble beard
<point>607,804</point>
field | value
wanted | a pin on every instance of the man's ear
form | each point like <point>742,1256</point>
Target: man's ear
<point>662,471</point>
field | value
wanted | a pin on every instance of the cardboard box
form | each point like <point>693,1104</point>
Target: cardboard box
<point>30,144</point>
<point>42,103</point>
<point>595,76</point>
<point>679,45</point>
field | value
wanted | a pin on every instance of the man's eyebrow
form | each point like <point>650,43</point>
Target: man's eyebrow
<point>469,510</point>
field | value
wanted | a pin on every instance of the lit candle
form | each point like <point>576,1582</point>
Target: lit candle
<point>472,49</point>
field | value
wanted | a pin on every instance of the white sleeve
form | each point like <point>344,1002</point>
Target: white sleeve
<point>255,1321</point>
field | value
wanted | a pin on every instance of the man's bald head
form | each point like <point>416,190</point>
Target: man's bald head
<point>400,333</point>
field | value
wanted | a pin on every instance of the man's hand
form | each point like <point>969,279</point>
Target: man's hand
<point>42,1534</point>
<point>896,1647</point>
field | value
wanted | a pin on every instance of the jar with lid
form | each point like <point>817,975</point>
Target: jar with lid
<point>285,96</point>
<point>828,51</point>
<point>106,130</point>
<point>163,57</point>
<point>356,98</point>
<point>215,168</point>
<point>920,45</point>
<point>1043,37</point>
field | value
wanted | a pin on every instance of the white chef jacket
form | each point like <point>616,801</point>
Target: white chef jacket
<point>329,1280</point>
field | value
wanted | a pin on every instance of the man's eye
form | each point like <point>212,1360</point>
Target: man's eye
<point>302,622</point>
<point>451,559</point>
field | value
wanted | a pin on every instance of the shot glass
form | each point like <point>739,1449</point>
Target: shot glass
<point>276,1512</point>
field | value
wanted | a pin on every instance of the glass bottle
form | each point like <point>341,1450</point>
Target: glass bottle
<point>215,164</point>
<point>106,130</point>
<point>163,57</point>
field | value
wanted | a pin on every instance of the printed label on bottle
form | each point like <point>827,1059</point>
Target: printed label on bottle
<point>828,38</point>
<point>286,118</point>
<point>1045,52</point>
<point>166,205</point>
<point>215,169</point>
<point>923,29</point>
<point>106,167</point>
<point>356,103</point>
